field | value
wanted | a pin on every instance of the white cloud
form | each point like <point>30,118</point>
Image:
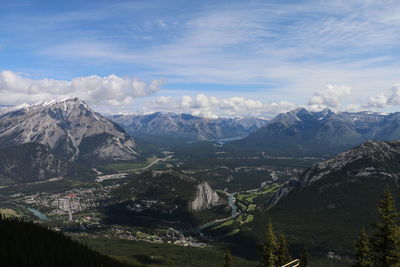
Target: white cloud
<point>394,97</point>
<point>384,100</point>
<point>378,101</point>
<point>330,97</point>
<point>211,106</point>
<point>111,90</point>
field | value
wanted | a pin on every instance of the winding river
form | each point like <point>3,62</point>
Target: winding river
<point>234,214</point>
<point>38,214</point>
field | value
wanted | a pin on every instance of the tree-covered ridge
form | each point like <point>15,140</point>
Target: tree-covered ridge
<point>29,244</point>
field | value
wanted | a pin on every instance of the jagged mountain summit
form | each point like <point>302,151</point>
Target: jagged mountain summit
<point>69,127</point>
<point>333,199</point>
<point>324,132</point>
<point>188,127</point>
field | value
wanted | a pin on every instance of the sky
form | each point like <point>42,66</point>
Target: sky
<point>209,58</point>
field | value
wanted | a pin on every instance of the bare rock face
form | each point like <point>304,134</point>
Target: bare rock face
<point>69,127</point>
<point>30,163</point>
<point>205,198</point>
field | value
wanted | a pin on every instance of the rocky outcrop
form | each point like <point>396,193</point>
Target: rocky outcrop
<point>30,163</point>
<point>69,127</point>
<point>205,198</point>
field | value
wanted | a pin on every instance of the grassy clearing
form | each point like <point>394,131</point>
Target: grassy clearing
<point>225,224</point>
<point>249,219</point>
<point>234,232</point>
<point>251,207</point>
<point>8,213</point>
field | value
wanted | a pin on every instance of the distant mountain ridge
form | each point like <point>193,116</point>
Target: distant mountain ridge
<point>69,127</point>
<point>187,126</point>
<point>324,132</point>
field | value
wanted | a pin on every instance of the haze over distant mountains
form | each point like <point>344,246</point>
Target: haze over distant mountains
<point>69,127</point>
<point>188,127</point>
<point>324,132</point>
<point>74,131</point>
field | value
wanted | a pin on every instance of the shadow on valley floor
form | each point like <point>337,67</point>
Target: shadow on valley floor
<point>121,215</point>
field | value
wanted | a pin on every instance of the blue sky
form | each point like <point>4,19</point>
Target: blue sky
<point>204,57</point>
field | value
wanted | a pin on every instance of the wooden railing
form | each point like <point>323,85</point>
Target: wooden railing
<point>294,263</point>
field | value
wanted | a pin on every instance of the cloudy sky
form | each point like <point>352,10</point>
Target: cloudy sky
<point>226,58</point>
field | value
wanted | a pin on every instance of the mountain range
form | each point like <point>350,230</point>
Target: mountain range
<point>187,127</point>
<point>69,128</point>
<point>304,132</point>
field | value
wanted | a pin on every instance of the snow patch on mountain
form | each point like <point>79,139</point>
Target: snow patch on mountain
<point>66,126</point>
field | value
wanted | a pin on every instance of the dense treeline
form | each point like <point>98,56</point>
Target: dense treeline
<point>274,251</point>
<point>29,244</point>
<point>382,246</point>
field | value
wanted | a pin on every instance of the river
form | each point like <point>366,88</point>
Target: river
<point>231,203</point>
<point>234,214</point>
<point>38,214</point>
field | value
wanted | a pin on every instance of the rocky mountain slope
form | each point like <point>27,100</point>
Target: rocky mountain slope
<point>29,163</point>
<point>331,200</point>
<point>186,126</point>
<point>325,132</point>
<point>70,128</point>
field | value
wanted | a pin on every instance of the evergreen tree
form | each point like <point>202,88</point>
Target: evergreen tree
<point>171,262</point>
<point>282,254</point>
<point>228,259</point>
<point>28,244</point>
<point>304,258</point>
<point>268,248</point>
<point>386,238</point>
<point>363,251</point>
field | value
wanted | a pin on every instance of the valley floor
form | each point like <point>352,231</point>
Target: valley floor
<point>83,208</point>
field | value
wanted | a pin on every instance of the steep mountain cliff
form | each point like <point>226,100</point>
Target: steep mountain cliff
<point>30,163</point>
<point>69,127</point>
<point>205,198</point>
<point>186,126</point>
